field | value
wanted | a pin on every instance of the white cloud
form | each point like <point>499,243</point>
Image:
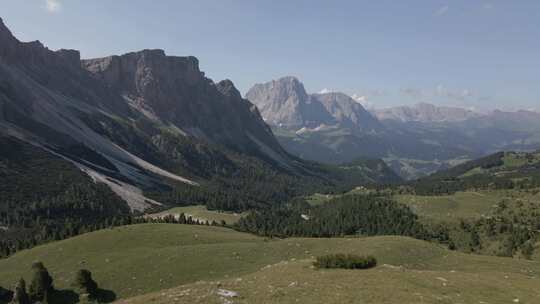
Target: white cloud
<point>53,6</point>
<point>325,91</point>
<point>359,98</point>
<point>364,101</point>
<point>442,10</point>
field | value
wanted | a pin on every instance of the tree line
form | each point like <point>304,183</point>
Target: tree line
<point>345,215</point>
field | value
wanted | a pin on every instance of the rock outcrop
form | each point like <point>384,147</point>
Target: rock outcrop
<point>284,102</point>
<point>172,90</point>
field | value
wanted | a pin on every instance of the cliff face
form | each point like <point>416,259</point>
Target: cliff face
<point>347,112</point>
<point>284,102</point>
<point>173,90</point>
<point>113,116</point>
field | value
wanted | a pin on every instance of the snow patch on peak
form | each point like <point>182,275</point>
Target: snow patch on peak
<point>326,91</point>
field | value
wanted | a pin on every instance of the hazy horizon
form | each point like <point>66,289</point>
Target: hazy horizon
<point>480,55</point>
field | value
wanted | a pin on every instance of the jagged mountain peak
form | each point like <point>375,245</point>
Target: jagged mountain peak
<point>227,88</point>
<point>285,89</point>
<point>5,34</point>
<point>128,109</point>
<point>347,112</point>
<point>173,90</point>
<point>285,102</point>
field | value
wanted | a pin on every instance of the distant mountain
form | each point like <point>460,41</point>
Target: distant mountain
<point>414,141</point>
<point>424,112</point>
<point>285,102</point>
<point>347,112</point>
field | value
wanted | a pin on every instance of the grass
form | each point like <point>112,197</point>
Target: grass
<point>202,214</point>
<point>468,204</point>
<point>511,161</point>
<point>318,199</point>
<point>474,171</point>
<point>297,282</point>
<point>143,259</point>
<point>514,160</point>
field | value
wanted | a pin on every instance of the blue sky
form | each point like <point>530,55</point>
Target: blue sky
<point>478,54</point>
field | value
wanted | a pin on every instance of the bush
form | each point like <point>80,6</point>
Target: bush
<point>85,284</point>
<point>345,261</point>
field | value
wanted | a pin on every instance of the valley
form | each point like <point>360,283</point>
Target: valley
<point>128,175</point>
<point>415,141</point>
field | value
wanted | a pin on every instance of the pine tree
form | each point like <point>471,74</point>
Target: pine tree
<point>41,286</point>
<point>20,296</point>
<point>85,284</point>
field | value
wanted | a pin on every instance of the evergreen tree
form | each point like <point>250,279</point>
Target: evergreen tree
<point>85,284</point>
<point>41,286</point>
<point>20,296</point>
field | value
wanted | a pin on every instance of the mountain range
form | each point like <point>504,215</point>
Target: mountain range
<point>425,112</point>
<point>414,140</point>
<point>145,122</point>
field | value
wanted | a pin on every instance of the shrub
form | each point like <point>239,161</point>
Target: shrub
<point>85,284</point>
<point>345,261</point>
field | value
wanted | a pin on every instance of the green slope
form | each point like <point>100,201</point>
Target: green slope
<point>201,213</point>
<point>141,259</point>
<point>297,282</point>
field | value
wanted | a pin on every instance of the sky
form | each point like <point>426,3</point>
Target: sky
<point>477,54</point>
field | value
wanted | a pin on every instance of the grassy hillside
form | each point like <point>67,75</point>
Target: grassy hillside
<point>141,259</point>
<point>460,205</point>
<point>201,213</point>
<point>502,164</point>
<point>298,282</point>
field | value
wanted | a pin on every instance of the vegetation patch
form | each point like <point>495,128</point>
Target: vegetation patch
<point>361,215</point>
<point>345,261</point>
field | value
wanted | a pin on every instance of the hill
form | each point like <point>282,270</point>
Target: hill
<point>503,170</point>
<point>140,259</point>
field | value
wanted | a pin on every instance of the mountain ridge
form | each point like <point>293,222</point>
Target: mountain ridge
<point>413,140</point>
<point>143,121</point>
<point>425,112</point>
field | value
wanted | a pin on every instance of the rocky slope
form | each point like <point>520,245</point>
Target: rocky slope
<point>284,102</point>
<point>173,91</point>
<point>145,122</point>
